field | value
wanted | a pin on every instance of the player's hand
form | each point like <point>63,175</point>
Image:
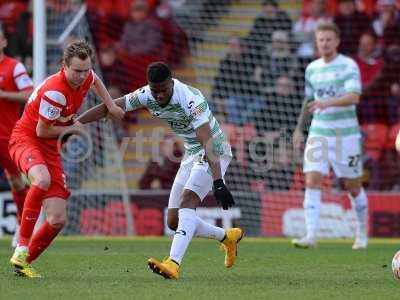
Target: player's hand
<point>316,105</point>
<point>298,139</point>
<point>116,113</point>
<point>222,194</point>
<point>77,127</point>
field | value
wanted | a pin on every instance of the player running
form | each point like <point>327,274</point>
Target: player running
<point>332,90</point>
<point>34,148</point>
<point>207,156</point>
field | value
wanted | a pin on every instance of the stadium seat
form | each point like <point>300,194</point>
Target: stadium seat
<point>376,135</point>
<point>115,218</point>
<point>149,221</point>
<point>91,221</point>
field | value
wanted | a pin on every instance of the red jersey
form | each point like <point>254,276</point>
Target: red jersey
<point>54,101</point>
<point>13,78</point>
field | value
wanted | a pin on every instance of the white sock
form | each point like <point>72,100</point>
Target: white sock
<point>21,248</point>
<point>208,231</point>
<point>312,208</point>
<point>360,206</point>
<point>187,225</point>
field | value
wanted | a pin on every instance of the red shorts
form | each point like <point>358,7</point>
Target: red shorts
<point>28,153</point>
<point>5,159</point>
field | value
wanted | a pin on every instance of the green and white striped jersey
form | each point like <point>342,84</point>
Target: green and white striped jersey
<point>325,81</point>
<point>187,110</point>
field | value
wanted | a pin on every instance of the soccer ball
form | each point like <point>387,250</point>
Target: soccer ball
<point>396,265</point>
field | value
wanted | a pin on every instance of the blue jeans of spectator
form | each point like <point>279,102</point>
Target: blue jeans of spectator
<point>241,109</point>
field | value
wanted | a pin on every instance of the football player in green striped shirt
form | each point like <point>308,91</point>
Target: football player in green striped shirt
<point>207,156</point>
<point>332,91</point>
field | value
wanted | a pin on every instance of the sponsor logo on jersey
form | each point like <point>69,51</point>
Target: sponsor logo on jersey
<point>52,112</point>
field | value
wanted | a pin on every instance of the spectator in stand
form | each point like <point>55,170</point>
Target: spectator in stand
<point>175,41</point>
<point>277,59</point>
<point>387,23</point>
<point>161,170</point>
<point>235,85</point>
<point>140,44</point>
<point>21,42</point>
<point>374,105</point>
<point>110,65</point>
<point>283,105</point>
<point>305,26</point>
<point>368,58</point>
<point>10,12</point>
<point>106,19</point>
<point>371,66</point>
<point>271,19</point>
<point>351,24</point>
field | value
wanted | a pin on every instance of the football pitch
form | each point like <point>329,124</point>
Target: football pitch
<point>115,268</point>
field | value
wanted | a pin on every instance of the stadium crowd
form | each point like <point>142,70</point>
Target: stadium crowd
<point>262,75</point>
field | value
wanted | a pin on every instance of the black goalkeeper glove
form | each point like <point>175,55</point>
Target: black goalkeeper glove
<point>222,194</point>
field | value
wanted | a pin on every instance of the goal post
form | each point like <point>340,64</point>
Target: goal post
<point>93,164</point>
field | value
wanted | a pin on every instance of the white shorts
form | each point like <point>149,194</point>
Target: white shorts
<point>344,155</point>
<point>195,175</point>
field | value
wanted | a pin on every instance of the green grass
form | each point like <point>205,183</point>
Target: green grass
<point>265,269</point>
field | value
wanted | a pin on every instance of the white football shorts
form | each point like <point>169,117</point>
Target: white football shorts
<point>343,154</point>
<point>195,175</point>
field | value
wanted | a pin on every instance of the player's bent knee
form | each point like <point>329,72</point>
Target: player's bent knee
<point>190,199</point>
<point>172,224</point>
<point>57,220</point>
<point>313,181</point>
<point>353,186</point>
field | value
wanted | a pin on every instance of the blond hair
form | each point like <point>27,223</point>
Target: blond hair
<point>78,48</point>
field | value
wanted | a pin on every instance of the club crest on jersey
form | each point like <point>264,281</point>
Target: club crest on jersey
<point>156,113</point>
<point>52,112</point>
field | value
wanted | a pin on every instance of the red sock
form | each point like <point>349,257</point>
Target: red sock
<point>30,214</point>
<point>19,199</point>
<point>41,240</point>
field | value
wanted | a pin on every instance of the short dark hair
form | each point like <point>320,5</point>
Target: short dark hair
<point>78,48</point>
<point>328,26</point>
<point>158,72</point>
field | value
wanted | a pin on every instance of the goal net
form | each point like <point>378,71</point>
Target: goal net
<point>249,61</point>
<point>93,165</point>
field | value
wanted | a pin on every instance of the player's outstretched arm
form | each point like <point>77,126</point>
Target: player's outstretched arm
<point>50,131</point>
<point>101,91</point>
<point>221,192</point>
<point>99,111</point>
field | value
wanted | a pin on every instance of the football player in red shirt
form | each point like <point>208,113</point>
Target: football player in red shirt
<point>33,146</point>
<point>15,88</point>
